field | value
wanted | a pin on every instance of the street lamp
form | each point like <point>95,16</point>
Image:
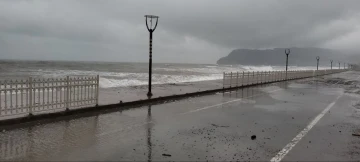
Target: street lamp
<point>344,65</point>
<point>339,64</point>
<point>317,59</point>
<point>151,29</point>
<point>331,63</point>
<point>287,52</point>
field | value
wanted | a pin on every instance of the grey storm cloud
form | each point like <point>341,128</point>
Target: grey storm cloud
<point>189,30</point>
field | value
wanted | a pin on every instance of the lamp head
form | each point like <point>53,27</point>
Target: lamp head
<point>150,18</point>
<point>287,51</point>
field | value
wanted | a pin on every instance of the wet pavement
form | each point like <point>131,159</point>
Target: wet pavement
<point>254,123</point>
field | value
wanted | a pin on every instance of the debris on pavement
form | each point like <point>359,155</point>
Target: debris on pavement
<point>253,137</point>
<point>223,126</point>
<point>356,134</point>
<point>168,155</point>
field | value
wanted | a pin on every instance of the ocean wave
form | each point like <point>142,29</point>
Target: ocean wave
<point>110,83</point>
<point>157,79</point>
<point>259,68</point>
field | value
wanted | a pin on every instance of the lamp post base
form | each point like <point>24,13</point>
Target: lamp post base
<point>149,94</point>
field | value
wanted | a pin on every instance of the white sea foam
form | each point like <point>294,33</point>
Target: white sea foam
<point>109,83</point>
<point>157,79</point>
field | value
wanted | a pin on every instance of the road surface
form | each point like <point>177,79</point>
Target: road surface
<point>292,121</point>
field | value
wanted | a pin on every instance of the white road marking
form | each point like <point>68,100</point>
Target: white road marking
<point>212,106</point>
<point>279,156</point>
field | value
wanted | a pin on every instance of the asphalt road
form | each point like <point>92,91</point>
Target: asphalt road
<point>294,121</point>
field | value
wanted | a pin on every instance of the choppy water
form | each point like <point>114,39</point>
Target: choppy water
<point>125,74</point>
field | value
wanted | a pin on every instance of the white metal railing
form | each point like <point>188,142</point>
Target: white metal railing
<point>238,79</point>
<point>32,96</point>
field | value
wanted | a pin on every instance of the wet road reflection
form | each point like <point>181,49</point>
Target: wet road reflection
<point>149,127</point>
<point>50,140</point>
<point>115,136</point>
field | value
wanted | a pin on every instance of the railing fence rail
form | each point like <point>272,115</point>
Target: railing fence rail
<point>37,95</point>
<point>232,79</point>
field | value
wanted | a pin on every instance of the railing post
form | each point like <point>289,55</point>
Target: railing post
<point>279,75</point>
<point>262,76</point>
<point>224,80</point>
<point>67,100</point>
<point>237,79</point>
<point>269,77</point>
<point>253,79</point>
<point>275,72</point>
<point>230,79</point>
<point>243,78</point>
<point>274,76</point>
<point>30,96</point>
<point>97,90</point>
<point>265,76</point>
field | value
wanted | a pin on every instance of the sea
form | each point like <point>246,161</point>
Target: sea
<point>124,74</point>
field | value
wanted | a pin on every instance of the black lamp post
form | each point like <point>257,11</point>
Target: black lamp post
<point>339,64</point>
<point>151,29</point>
<point>317,59</point>
<point>331,61</point>
<point>344,65</point>
<point>287,52</point>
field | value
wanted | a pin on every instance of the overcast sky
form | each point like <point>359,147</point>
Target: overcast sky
<point>191,31</point>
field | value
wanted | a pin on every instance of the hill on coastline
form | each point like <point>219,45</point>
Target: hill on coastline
<point>276,56</point>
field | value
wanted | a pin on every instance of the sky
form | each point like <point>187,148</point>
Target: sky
<point>189,31</point>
